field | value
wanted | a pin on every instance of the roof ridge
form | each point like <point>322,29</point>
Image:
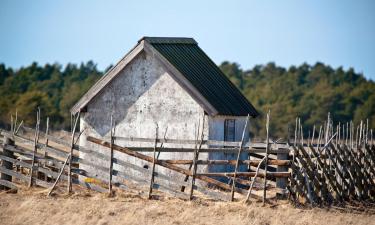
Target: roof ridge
<point>168,40</point>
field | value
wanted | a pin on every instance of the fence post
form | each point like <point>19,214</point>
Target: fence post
<point>282,182</point>
<point>6,164</point>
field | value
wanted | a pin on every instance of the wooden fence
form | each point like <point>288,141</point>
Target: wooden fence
<point>337,166</point>
<point>58,160</point>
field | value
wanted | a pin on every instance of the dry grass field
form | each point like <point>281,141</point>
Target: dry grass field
<point>83,207</point>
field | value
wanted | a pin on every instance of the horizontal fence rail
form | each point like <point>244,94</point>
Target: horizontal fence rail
<point>333,168</point>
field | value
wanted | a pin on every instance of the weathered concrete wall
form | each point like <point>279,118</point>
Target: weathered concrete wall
<point>142,97</point>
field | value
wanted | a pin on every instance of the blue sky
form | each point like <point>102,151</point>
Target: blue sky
<point>288,32</point>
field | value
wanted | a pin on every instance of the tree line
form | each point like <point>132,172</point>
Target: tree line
<point>307,91</point>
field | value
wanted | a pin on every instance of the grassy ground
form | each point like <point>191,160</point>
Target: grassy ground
<point>83,207</point>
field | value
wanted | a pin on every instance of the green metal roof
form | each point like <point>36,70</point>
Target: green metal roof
<point>188,58</point>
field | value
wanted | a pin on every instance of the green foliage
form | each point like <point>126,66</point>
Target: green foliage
<point>52,88</point>
<point>309,92</point>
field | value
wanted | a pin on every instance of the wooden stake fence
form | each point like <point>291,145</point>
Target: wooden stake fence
<point>335,165</point>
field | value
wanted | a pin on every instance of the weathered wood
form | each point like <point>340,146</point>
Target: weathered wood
<point>166,165</point>
<point>198,147</point>
<point>111,159</point>
<point>6,164</point>
<point>254,148</point>
<point>58,177</point>
<point>309,167</point>
<point>194,165</point>
<point>274,162</point>
<point>266,160</point>
<point>12,173</point>
<point>253,181</point>
<point>71,154</point>
<point>204,142</point>
<point>246,174</point>
<point>325,174</point>
<point>28,154</point>
<point>153,163</point>
<point>238,158</point>
<point>221,150</point>
<point>8,184</point>
<point>91,186</point>
<point>101,156</point>
<point>281,158</point>
<point>36,139</point>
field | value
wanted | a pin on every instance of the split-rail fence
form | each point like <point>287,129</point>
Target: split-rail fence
<point>335,167</point>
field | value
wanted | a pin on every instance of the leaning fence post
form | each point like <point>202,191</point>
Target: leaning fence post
<point>71,154</point>
<point>195,159</point>
<point>111,160</point>
<point>191,165</point>
<point>238,158</point>
<point>266,161</point>
<point>6,164</point>
<point>36,139</point>
<point>152,180</point>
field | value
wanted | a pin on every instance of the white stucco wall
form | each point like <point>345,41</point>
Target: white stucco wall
<point>141,96</point>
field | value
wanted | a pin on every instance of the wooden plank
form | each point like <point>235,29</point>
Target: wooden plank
<point>71,153</point>
<point>266,160</point>
<point>14,174</point>
<point>42,183</point>
<point>110,171</point>
<point>309,177</point>
<point>238,158</point>
<point>328,176</point>
<point>341,156</point>
<point>27,153</point>
<point>194,165</point>
<point>35,148</point>
<point>164,178</point>
<point>76,159</point>
<point>246,174</point>
<point>221,150</point>
<point>7,164</point>
<point>153,164</point>
<point>8,184</point>
<point>275,162</point>
<point>169,166</point>
<point>252,148</point>
<point>204,142</point>
<point>52,150</point>
<point>59,175</point>
<point>253,181</point>
<point>338,171</point>
<point>60,153</point>
<point>15,161</point>
<point>141,180</point>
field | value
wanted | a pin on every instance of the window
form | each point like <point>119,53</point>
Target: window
<point>229,130</point>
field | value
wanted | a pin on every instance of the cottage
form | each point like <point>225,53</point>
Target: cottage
<point>168,85</point>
